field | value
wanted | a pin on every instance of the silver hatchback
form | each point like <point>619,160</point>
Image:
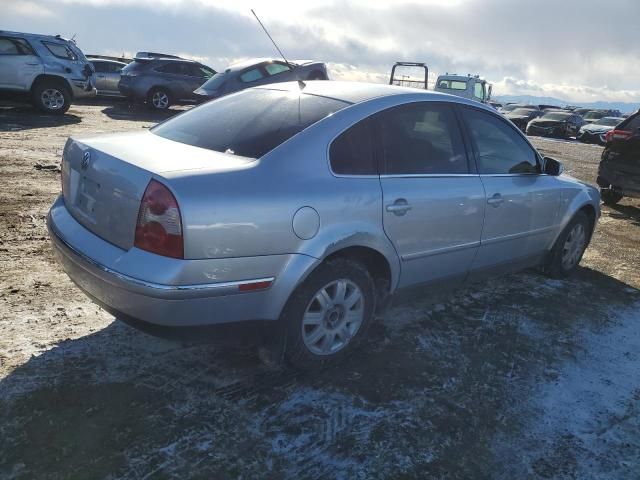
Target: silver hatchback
<point>306,206</point>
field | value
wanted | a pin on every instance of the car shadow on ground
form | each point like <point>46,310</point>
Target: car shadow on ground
<point>630,212</point>
<point>19,118</point>
<point>124,110</point>
<point>426,397</point>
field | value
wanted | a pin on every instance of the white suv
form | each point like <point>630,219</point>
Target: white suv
<point>48,70</point>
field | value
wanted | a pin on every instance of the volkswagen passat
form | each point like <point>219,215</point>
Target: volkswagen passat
<point>305,206</point>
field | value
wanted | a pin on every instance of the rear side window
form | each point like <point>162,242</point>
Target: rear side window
<point>250,123</point>
<point>60,51</point>
<point>631,123</point>
<point>421,138</point>
<point>251,75</point>
<point>499,148</point>
<point>276,68</point>
<point>173,68</point>
<point>352,152</point>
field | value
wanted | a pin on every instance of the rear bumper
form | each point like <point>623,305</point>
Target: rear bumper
<point>624,182</point>
<point>134,285</point>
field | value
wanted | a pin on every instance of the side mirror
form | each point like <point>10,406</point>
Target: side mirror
<point>551,166</point>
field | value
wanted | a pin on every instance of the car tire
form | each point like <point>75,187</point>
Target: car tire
<point>159,99</point>
<point>610,197</point>
<point>317,75</point>
<point>51,96</point>
<point>567,252</point>
<point>329,314</point>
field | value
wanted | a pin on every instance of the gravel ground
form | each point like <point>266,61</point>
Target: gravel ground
<point>519,377</point>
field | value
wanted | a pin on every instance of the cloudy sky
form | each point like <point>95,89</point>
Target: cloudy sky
<point>582,50</point>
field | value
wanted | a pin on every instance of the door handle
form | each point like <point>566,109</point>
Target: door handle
<point>496,200</point>
<point>399,207</point>
<point>32,63</point>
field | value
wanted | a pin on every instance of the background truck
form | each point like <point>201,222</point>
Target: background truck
<point>471,87</point>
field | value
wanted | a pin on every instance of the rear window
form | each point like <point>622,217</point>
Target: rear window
<point>60,51</point>
<point>135,66</point>
<point>250,123</point>
<point>631,123</point>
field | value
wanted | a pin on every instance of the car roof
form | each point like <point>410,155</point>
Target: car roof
<point>356,92</point>
<point>34,36</point>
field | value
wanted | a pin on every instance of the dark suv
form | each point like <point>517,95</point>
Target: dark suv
<point>163,81</point>
<point>619,170</point>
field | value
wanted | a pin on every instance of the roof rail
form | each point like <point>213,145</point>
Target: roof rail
<point>155,55</point>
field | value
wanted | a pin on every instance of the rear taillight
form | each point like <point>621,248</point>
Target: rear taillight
<point>159,228</point>
<point>618,135</point>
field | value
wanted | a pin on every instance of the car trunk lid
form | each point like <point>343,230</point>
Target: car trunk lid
<point>104,178</point>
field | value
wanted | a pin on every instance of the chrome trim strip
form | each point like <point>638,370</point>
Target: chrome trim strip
<point>439,251</point>
<point>515,236</point>
<point>219,288</point>
<point>428,175</point>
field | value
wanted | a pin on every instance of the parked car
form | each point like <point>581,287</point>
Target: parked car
<point>595,115</point>
<point>46,70</point>
<point>595,132</point>
<point>162,81</point>
<point>522,116</point>
<point>555,124</point>
<point>107,74</point>
<point>255,72</point>
<point>510,107</point>
<point>619,170</point>
<point>306,207</point>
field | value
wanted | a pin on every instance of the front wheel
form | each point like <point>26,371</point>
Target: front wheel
<point>329,314</point>
<point>569,247</point>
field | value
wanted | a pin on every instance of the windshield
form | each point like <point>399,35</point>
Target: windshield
<point>592,115</point>
<point>609,121</point>
<point>556,116</point>
<point>250,123</point>
<point>215,82</point>
<point>523,111</point>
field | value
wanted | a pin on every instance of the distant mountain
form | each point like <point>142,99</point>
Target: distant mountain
<point>624,107</point>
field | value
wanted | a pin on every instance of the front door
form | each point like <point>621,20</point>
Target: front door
<point>433,203</point>
<point>521,203</point>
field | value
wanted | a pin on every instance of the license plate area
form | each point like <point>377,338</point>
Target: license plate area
<point>85,193</point>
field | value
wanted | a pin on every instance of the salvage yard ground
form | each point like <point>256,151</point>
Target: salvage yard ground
<point>520,377</point>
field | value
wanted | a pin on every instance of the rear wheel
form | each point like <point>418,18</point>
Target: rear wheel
<point>569,247</point>
<point>610,197</point>
<point>159,99</point>
<point>329,314</point>
<point>51,96</point>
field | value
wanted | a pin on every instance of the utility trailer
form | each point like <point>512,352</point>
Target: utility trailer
<point>403,80</point>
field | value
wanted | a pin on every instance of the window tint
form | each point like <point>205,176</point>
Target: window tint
<point>275,68</point>
<point>632,123</point>
<point>251,75</point>
<point>249,123</point>
<point>421,138</point>
<point>500,149</point>
<point>60,51</point>
<point>352,152</point>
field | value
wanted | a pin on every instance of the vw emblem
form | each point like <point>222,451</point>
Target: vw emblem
<point>86,158</point>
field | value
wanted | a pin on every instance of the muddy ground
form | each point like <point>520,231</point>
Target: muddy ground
<point>521,377</point>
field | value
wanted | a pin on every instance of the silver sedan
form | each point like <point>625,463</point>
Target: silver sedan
<point>306,206</point>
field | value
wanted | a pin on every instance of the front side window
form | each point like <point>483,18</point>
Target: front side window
<point>14,46</point>
<point>276,68</point>
<point>249,123</point>
<point>251,75</point>
<point>352,152</point>
<point>60,51</point>
<point>499,148</point>
<point>421,138</point>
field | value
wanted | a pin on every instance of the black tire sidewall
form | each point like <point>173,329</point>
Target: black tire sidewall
<point>150,99</point>
<point>610,197</point>
<point>554,267</point>
<point>43,85</point>
<point>296,353</point>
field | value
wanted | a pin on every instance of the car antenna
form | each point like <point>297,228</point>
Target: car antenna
<point>300,82</point>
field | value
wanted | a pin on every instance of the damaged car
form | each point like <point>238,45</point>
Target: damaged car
<point>596,132</point>
<point>300,208</point>
<point>522,116</point>
<point>555,124</point>
<point>619,169</point>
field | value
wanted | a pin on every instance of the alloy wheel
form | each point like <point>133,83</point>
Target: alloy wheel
<point>52,99</point>
<point>333,317</point>
<point>573,247</point>
<point>160,100</point>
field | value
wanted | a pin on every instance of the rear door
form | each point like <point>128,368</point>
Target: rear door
<point>521,203</point>
<point>19,64</point>
<point>433,201</point>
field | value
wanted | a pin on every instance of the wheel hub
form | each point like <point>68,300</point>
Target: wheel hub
<point>334,317</point>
